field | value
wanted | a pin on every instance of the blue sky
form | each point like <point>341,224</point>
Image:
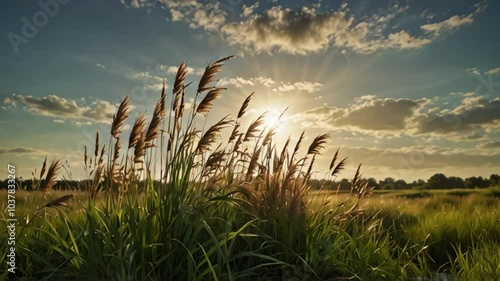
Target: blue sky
<point>409,88</point>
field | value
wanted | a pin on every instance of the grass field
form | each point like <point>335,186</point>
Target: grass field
<point>238,209</point>
<point>400,236</point>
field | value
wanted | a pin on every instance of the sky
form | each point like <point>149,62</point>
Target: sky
<point>409,88</point>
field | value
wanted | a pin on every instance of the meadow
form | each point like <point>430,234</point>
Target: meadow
<point>238,208</point>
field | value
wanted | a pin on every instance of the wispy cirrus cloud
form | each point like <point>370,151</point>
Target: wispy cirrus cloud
<point>21,150</point>
<point>97,111</point>
<point>493,71</point>
<point>494,144</point>
<point>454,22</point>
<point>301,86</point>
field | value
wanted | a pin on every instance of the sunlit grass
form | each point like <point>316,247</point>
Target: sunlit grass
<point>235,209</point>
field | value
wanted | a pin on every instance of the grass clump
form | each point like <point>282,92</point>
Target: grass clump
<point>176,201</point>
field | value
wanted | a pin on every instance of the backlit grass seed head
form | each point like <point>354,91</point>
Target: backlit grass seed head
<point>207,103</point>
<point>44,166</point>
<point>85,157</point>
<point>335,167</point>
<point>209,74</point>
<point>140,149</point>
<point>119,118</point>
<point>178,92</point>
<point>96,150</point>
<point>59,202</point>
<point>210,135</point>
<point>52,173</point>
<point>254,127</point>
<point>244,106</point>
<point>154,126</point>
<point>137,128</point>
<point>318,144</point>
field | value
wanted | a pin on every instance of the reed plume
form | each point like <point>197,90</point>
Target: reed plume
<point>85,157</point>
<point>253,129</point>
<point>58,202</point>
<point>44,166</point>
<point>119,118</point>
<point>318,143</point>
<point>52,172</point>
<point>337,167</point>
<point>209,137</point>
<point>137,128</point>
<point>244,106</point>
<point>207,103</point>
<point>209,73</point>
<point>154,126</point>
<point>140,149</point>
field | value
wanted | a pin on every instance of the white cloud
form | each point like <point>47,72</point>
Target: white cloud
<point>291,31</point>
<point>420,117</point>
<point>305,86</point>
<point>189,69</point>
<point>21,150</point>
<point>375,115</point>
<point>301,86</point>
<point>100,66</point>
<point>208,20</point>
<point>249,10</point>
<point>150,81</point>
<point>494,144</point>
<point>493,71</point>
<point>99,111</point>
<point>176,15</point>
<point>454,22</point>
<point>237,82</point>
<point>308,29</point>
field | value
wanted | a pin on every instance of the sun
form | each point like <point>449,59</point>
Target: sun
<point>275,119</point>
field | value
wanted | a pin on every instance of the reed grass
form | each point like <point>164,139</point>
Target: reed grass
<point>221,209</point>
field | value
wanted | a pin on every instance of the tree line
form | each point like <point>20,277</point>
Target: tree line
<point>437,181</point>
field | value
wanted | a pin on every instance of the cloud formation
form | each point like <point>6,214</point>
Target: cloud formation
<point>365,115</point>
<point>21,150</point>
<point>493,71</point>
<point>373,115</point>
<point>301,86</point>
<point>307,29</point>
<point>489,145</point>
<point>454,22</point>
<point>98,111</point>
<point>474,112</point>
<point>419,161</point>
<point>310,28</point>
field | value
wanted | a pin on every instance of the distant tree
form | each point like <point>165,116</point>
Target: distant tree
<point>387,183</point>
<point>437,181</point>
<point>314,184</point>
<point>400,184</point>
<point>494,180</point>
<point>345,184</point>
<point>477,182</point>
<point>373,183</point>
<point>455,182</point>
<point>417,184</point>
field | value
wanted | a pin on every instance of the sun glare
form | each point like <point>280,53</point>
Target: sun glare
<point>274,119</point>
